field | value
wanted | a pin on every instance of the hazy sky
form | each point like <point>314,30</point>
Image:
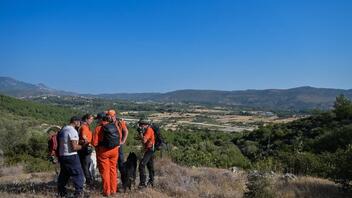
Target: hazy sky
<point>143,46</point>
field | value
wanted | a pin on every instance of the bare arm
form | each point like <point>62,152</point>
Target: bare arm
<point>75,146</point>
<point>125,134</point>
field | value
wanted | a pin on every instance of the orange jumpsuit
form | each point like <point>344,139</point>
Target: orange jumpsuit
<point>107,160</point>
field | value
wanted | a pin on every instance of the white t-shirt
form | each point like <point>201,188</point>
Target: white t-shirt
<point>66,135</point>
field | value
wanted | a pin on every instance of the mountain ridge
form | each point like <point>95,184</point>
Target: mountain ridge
<point>298,98</point>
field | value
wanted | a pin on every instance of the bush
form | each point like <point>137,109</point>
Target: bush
<point>304,164</point>
<point>268,164</point>
<point>207,153</point>
<point>341,169</point>
<point>197,148</point>
<point>260,187</point>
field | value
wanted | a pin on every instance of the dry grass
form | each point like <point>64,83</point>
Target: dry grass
<point>310,187</point>
<point>21,195</point>
<point>173,180</point>
<point>178,181</point>
<point>11,170</point>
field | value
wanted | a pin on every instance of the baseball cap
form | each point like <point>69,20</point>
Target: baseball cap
<point>111,113</point>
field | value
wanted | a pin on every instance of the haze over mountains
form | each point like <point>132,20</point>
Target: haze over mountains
<point>300,98</point>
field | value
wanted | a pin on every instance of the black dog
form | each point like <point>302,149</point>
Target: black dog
<point>130,168</point>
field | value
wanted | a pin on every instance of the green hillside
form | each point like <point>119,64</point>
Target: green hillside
<point>320,145</point>
<point>22,130</point>
<point>35,111</point>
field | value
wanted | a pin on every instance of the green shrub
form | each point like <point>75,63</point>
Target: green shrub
<point>341,166</point>
<point>260,187</point>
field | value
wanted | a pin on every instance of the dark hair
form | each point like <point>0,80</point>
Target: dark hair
<point>87,116</point>
<point>74,119</point>
<point>107,119</point>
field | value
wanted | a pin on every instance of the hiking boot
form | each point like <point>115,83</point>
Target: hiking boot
<point>78,195</point>
<point>141,186</point>
<point>150,183</point>
<point>62,194</point>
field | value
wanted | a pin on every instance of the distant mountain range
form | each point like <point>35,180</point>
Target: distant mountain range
<point>12,87</point>
<point>301,98</point>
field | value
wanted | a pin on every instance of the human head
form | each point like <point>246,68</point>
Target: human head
<point>75,121</point>
<point>53,130</point>
<point>112,114</point>
<point>100,116</point>
<point>143,123</point>
<point>88,118</point>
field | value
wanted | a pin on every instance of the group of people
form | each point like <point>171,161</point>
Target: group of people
<point>76,142</point>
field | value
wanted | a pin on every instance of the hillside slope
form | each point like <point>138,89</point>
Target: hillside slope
<point>36,111</point>
<point>173,180</point>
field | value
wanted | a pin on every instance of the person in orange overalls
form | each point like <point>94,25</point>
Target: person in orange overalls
<point>122,126</point>
<point>107,152</point>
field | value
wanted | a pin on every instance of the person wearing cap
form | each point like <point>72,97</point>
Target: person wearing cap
<point>123,130</point>
<point>70,165</point>
<point>106,157</point>
<point>85,137</point>
<point>146,134</point>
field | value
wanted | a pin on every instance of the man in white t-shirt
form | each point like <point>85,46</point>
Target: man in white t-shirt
<point>70,165</point>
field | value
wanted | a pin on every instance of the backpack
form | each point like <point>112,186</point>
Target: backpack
<point>159,140</point>
<point>111,136</point>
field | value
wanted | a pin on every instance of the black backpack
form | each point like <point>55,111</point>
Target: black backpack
<point>111,136</point>
<point>159,140</point>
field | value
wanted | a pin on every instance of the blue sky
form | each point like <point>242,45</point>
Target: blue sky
<point>158,46</point>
